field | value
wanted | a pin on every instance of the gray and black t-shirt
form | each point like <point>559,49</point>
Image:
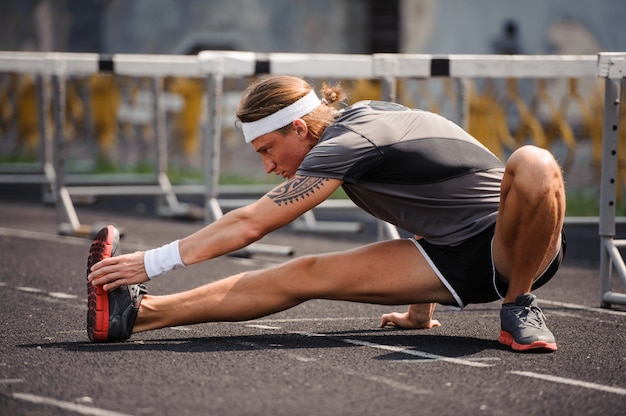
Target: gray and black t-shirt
<point>412,168</point>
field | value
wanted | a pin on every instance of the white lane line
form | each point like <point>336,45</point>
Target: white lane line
<point>73,407</point>
<point>421,354</point>
<point>329,319</point>
<point>571,382</point>
<point>396,385</point>
<point>263,326</point>
<point>11,380</point>
<point>61,295</point>
<point>582,307</point>
<point>182,328</point>
<point>64,239</point>
<point>302,358</point>
<point>401,350</point>
<point>425,361</point>
<point>52,238</point>
<point>27,289</point>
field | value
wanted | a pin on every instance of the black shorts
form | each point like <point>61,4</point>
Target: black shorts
<point>467,269</point>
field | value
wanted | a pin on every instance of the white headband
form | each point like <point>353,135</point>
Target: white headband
<point>281,118</point>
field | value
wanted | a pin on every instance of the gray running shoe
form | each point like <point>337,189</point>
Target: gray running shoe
<point>110,315</point>
<point>523,326</point>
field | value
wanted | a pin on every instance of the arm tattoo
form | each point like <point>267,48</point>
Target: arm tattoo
<point>296,188</point>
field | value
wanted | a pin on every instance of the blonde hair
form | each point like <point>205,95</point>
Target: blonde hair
<point>268,95</point>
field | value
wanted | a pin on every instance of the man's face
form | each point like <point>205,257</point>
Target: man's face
<point>283,154</point>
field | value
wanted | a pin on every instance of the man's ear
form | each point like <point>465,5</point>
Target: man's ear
<point>300,127</point>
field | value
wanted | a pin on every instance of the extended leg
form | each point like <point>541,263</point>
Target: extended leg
<point>390,272</point>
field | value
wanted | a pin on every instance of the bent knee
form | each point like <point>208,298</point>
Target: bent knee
<point>530,155</point>
<point>536,166</point>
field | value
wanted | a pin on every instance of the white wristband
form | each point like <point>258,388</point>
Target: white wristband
<point>162,260</point>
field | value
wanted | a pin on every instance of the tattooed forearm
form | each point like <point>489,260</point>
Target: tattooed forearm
<point>296,188</point>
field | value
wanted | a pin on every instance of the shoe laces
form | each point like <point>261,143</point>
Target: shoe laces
<point>531,315</point>
<point>136,293</point>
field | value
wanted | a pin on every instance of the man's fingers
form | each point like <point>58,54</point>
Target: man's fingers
<point>388,319</point>
<point>112,286</point>
<point>99,280</point>
<point>104,263</point>
<point>102,270</point>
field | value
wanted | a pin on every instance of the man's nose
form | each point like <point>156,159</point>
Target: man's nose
<point>269,165</point>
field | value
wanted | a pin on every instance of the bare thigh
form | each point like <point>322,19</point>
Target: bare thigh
<point>387,272</point>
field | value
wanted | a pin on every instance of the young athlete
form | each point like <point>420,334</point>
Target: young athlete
<point>483,230</point>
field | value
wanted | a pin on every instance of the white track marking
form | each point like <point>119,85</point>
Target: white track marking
<point>468,362</point>
<point>73,407</point>
<point>34,235</point>
<point>63,239</point>
<point>28,289</point>
<point>421,354</point>
<point>302,358</point>
<point>571,382</point>
<point>182,328</point>
<point>388,382</point>
<point>582,307</point>
<point>401,350</point>
<point>425,361</point>
<point>331,319</point>
<point>55,296</point>
<point>61,295</point>
<point>11,380</point>
<point>263,326</point>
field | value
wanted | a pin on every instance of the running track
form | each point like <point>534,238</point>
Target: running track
<point>320,358</point>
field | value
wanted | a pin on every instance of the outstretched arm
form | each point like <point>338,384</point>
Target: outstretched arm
<point>419,316</point>
<point>245,225</point>
<point>233,231</point>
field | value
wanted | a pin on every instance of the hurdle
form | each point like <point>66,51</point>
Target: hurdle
<point>214,66</point>
<point>57,67</point>
<point>42,171</point>
<point>611,67</point>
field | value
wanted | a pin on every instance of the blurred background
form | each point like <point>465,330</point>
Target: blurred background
<point>328,26</point>
<point>109,122</point>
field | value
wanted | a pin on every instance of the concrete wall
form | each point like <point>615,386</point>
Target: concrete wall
<point>333,26</point>
<point>544,26</point>
<point>176,26</point>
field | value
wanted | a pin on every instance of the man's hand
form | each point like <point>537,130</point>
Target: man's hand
<point>127,269</point>
<point>417,317</point>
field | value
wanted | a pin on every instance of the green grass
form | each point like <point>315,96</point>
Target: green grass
<point>586,203</point>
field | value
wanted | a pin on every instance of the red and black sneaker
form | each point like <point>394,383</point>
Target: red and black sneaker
<point>110,315</point>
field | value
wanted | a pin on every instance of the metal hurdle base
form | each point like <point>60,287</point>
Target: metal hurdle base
<point>611,66</point>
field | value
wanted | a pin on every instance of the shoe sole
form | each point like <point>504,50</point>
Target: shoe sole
<point>97,297</point>
<point>537,346</point>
